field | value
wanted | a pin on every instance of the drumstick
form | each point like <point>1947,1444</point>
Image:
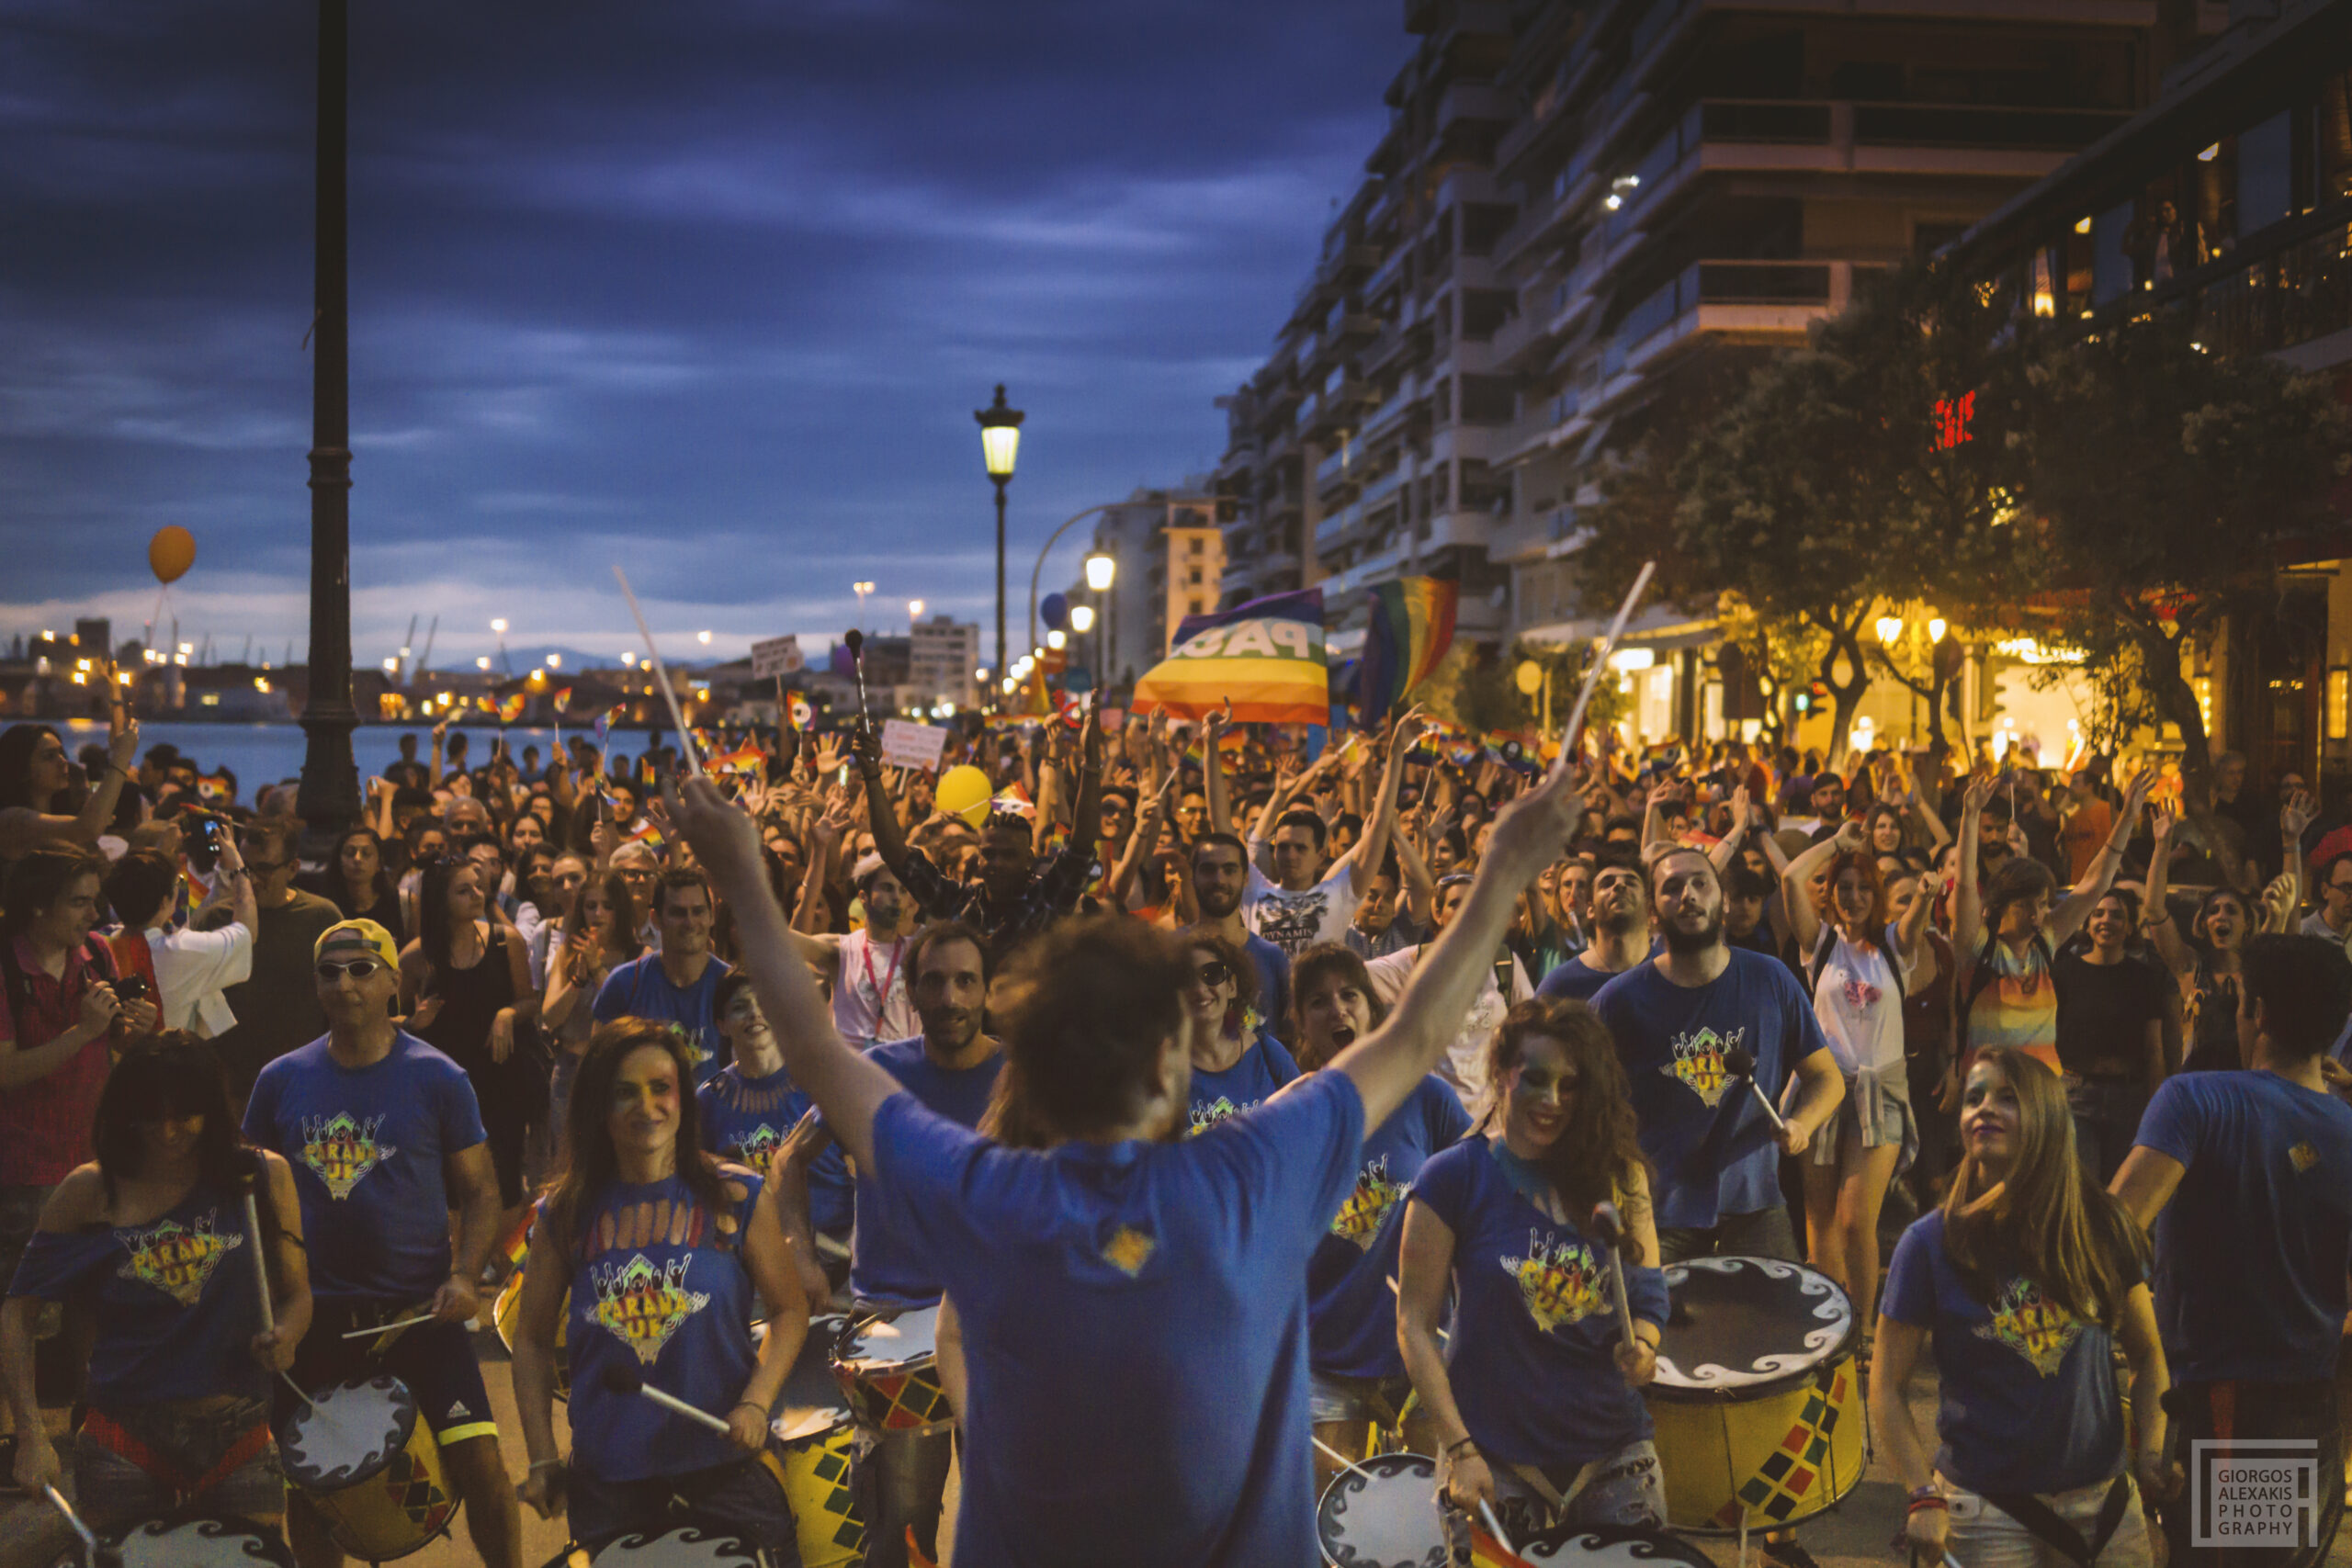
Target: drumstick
<point>1601,661</point>
<point>97,1552</point>
<point>1610,1228</point>
<point>389,1327</point>
<point>261,1264</point>
<point>1493,1525</point>
<point>622,1380</point>
<point>1741,1065</point>
<point>660,675</point>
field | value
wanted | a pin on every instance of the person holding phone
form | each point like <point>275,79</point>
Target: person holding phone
<point>192,967</point>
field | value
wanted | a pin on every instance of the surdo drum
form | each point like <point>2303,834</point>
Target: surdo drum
<point>888,1371</point>
<point>686,1546</point>
<point>1596,1546</point>
<point>1383,1513</point>
<point>202,1542</point>
<point>1758,1406</point>
<point>814,1455</point>
<point>370,1467</point>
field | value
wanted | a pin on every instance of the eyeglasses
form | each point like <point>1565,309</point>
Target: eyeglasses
<point>1214,973</point>
<point>266,867</point>
<point>358,969</point>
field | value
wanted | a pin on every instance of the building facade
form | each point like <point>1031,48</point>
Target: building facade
<point>1588,217</point>
<point>943,655</point>
<point>1169,554</point>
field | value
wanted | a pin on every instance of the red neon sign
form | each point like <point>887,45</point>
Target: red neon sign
<point>1952,415</point>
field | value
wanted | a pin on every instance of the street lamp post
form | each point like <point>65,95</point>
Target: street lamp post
<point>999,444</point>
<point>1101,568</point>
<point>328,797</point>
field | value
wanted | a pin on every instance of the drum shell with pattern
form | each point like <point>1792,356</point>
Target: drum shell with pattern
<point>687,1546</point>
<point>1383,1513</point>
<point>1597,1547</point>
<point>887,1367</point>
<point>1757,1405</point>
<point>818,1470</point>
<point>384,1499</point>
<point>204,1540</point>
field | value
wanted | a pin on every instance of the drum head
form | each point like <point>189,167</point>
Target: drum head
<point>1746,1327</point>
<point>689,1546</point>
<point>207,1541</point>
<point>1608,1547</point>
<point>346,1433</point>
<point>1383,1514</point>
<point>908,1338</point>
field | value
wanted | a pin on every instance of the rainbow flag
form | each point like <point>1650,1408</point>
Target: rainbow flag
<point>645,833</point>
<point>1411,627</point>
<point>1231,744</point>
<point>1265,656</point>
<point>563,699</point>
<point>510,707</point>
<point>1486,1551</point>
<point>746,761</point>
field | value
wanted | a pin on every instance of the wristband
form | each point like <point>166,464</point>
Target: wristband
<point>752,1402</point>
<point>1921,1503</point>
<point>1458,1445</point>
<point>547,1464</point>
<point>1927,1494</point>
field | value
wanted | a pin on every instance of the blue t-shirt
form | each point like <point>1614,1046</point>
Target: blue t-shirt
<point>2251,1251</point>
<point>1262,1067</point>
<point>2028,1389</point>
<point>1574,980</point>
<point>1136,1329</point>
<point>367,1148</point>
<point>1351,1311</point>
<point>640,990</point>
<point>886,1265</point>
<point>1532,1358</point>
<point>1711,1144</point>
<point>176,1301</point>
<point>745,1120</point>
<point>659,1288</point>
<point>1274,980</point>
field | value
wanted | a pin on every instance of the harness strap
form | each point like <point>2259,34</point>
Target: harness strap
<point>2043,1521</point>
<point>116,1439</point>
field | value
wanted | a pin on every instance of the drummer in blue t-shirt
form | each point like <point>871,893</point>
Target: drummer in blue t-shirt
<point>2247,1179</point>
<point>663,1251</point>
<point>1358,1377</point>
<point>2025,1280</point>
<point>1535,1410</point>
<point>1132,1307</point>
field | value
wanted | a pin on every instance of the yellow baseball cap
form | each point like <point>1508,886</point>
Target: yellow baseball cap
<point>352,938</point>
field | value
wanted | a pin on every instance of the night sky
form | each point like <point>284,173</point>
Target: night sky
<point>707,289</point>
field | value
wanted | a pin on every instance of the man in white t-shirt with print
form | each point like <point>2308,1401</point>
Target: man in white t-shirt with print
<point>1308,898</point>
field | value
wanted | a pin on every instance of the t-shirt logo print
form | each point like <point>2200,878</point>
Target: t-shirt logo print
<point>2032,1325</point>
<point>1128,1250</point>
<point>177,1259</point>
<point>755,1145</point>
<point>341,1149</point>
<point>1290,920</point>
<point>1699,1062</point>
<point>1208,1116</point>
<point>1559,1281</point>
<point>642,1305</point>
<point>1359,1218</point>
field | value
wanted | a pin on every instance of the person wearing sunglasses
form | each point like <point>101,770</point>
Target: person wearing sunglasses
<point>1236,1063</point>
<point>386,1141</point>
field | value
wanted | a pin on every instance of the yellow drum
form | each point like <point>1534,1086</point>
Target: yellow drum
<point>815,1458</point>
<point>1758,1405</point>
<point>370,1468</point>
<point>506,1314</point>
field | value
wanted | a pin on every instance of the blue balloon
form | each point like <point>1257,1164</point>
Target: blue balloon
<point>1055,608</point>
<point>843,663</point>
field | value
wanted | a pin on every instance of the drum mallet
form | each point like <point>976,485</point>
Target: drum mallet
<point>261,1275</point>
<point>95,1552</point>
<point>1740,1064</point>
<point>625,1380</point>
<point>854,640</point>
<point>1610,1226</point>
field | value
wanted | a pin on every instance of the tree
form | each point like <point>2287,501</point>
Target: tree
<point>2161,487</point>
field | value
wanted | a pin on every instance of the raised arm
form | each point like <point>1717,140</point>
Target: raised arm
<point>1529,835</point>
<point>1967,905</point>
<point>889,838</point>
<point>1937,834</point>
<point>2155,915</point>
<point>24,828</point>
<point>1727,849</point>
<point>846,1084</point>
<point>1418,894</point>
<point>1213,728</point>
<point>2077,905</point>
<point>2293,818</point>
<point>1365,859</point>
<point>1796,884</point>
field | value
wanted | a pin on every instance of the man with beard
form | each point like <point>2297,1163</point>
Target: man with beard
<point>1014,898</point>
<point>678,983</point>
<point>1620,929</point>
<point>1220,875</point>
<point>867,967</point>
<point>1677,1019</point>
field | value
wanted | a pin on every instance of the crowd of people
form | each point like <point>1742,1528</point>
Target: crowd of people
<point>1215,1099</point>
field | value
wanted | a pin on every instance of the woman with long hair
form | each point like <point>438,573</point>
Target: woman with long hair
<point>466,982</point>
<point>36,777</point>
<point>2026,1279</point>
<point>1358,1378</point>
<point>150,1240</point>
<point>356,882</point>
<point>2206,960</point>
<point>1536,1408</point>
<point>601,932</point>
<point>2111,1009</point>
<point>1859,966</point>
<point>1236,1063</point>
<point>655,1255</point>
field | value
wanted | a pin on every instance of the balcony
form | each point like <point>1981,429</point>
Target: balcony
<point>1334,471</point>
<point>1754,300</point>
<point>1472,104</point>
<point>1392,413</point>
<point>1386,275</point>
<point>1341,527</point>
<point>1379,491</point>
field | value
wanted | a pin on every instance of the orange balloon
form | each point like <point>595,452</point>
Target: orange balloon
<point>170,552</point>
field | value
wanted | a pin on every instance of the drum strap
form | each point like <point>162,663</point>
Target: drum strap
<point>2043,1521</point>
<point>1559,1502</point>
<point>112,1436</point>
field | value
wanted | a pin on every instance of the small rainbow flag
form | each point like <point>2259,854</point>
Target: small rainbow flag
<point>1411,627</point>
<point>1266,657</point>
<point>1014,801</point>
<point>1486,1551</point>
<point>645,833</point>
<point>215,787</point>
<point>746,761</point>
<point>510,707</point>
<point>1231,744</point>
<point>563,699</point>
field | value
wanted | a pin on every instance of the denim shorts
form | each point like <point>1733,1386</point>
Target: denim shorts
<point>187,1440</point>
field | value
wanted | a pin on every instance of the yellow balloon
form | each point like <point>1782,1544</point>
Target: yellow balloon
<point>964,792</point>
<point>170,552</point>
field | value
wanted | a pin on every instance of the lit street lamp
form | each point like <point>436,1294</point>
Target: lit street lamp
<point>1101,570</point>
<point>999,444</point>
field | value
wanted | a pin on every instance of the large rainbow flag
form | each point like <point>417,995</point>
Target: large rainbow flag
<point>1411,627</point>
<point>1265,656</point>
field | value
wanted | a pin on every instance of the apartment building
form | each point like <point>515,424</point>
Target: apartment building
<point>1169,552</point>
<point>1585,214</point>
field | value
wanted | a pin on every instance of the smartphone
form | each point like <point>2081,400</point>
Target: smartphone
<point>209,832</point>
<point>131,989</point>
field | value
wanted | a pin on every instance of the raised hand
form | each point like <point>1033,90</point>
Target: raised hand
<point>2295,816</point>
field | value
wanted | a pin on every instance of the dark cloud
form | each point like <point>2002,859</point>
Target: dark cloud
<point>709,288</point>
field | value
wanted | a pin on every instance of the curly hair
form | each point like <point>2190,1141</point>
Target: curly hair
<point>1597,1152</point>
<point>1087,1010</point>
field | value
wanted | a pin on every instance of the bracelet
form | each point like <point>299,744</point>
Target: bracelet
<point>1918,1503</point>
<point>752,1402</point>
<point>547,1464</point>
<point>1458,1445</point>
<point>1927,1494</point>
